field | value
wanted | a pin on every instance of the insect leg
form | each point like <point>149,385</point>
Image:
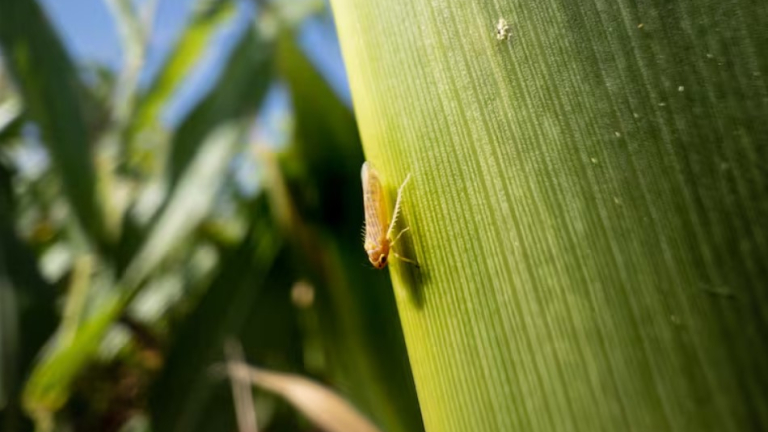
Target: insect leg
<point>397,206</point>
<point>408,260</point>
<point>398,236</point>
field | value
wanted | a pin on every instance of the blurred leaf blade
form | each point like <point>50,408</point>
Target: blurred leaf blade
<point>206,164</point>
<point>52,96</point>
<point>203,146</point>
<point>323,407</point>
<point>48,387</point>
<point>190,201</point>
<point>187,51</point>
<point>243,84</point>
<point>319,113</point>
<point>129,27</point>
<point>133,36</point>
<point>183,398</point>
<point>11,119</point>
<point>27,314</point>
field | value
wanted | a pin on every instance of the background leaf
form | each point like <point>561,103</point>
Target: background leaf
<point>249,66</point>
<point>54,98</point>
<point>186,397</point>
<point>209,156</point>
<point>243,84</point>
<point>26,311</point>
<point>11,119</point>
<point>320,404</point>
<point>207,18</point>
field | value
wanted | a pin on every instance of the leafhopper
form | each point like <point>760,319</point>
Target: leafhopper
<point>378,228</point>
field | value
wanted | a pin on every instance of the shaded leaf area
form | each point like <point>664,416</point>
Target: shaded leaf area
<point>356,312</point>
<point>54,99</point>
<point>27,315</point>
<point>49,385</point>
<point>587,207</point>
<point>11,120</point>
<point>188,396</point>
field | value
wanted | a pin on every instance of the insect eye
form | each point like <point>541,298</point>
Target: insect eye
<point>383,259</point>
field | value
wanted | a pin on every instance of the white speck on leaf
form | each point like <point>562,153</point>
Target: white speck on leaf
<point>681,89</point>
<point>503,31</point>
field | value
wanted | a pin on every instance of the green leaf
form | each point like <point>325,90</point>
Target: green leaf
<point>327,136</point>
<point>11,119</point>
<point>50,383</point>
<point>188,49</point>
<point>242,86</point>
<point>52,96</point>
<point>357,314</point>
<point>189,202</point>
<point>49,386</point>
<point>198,165</point>
<point>185,397</point>
<point>133,37</point>
<point>587,204</point>
<point>27,315</point>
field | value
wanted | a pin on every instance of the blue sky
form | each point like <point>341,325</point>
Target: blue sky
<point>90,35</point>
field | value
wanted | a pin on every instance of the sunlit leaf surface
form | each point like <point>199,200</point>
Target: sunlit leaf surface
<point>588,203</point>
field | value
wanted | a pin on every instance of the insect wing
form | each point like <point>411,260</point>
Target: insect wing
<point>375,206</point>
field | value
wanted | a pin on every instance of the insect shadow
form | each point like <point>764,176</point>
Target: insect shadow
<point>413,277</point>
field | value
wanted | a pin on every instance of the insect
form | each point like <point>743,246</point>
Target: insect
<point>503,31</point>
<point>378,232</point>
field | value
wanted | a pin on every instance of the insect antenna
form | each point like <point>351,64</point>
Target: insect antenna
<point>397,206</point>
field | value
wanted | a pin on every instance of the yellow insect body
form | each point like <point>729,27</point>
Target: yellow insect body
<point>378,232</point>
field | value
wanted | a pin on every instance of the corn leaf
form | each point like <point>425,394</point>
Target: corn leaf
<point>185,396</point>
<point>588,203</point>
<point>11,119</point>
<point>188,49</point>
<point>228,109</point>
<point>49,386</point>
<point>242,86</point>
<point>53,98</point>
<point>27,315</point>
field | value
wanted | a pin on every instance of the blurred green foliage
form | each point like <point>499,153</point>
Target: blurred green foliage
<point>130,255</point>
